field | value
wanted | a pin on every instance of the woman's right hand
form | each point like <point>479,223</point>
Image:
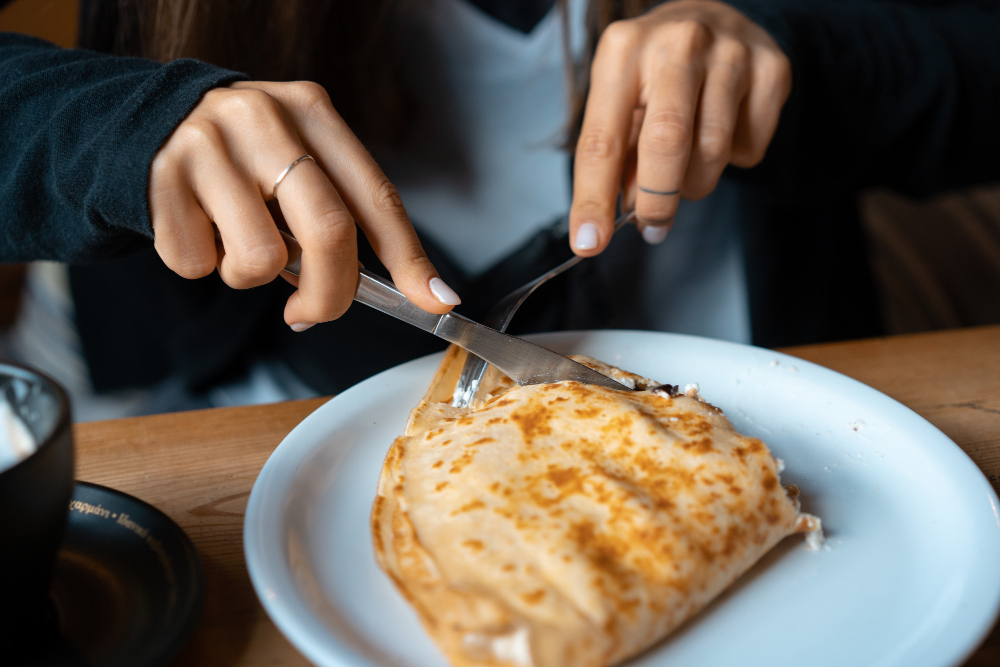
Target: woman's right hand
<point>219,166</point>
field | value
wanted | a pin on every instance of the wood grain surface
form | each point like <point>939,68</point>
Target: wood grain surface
<point>199,467</point>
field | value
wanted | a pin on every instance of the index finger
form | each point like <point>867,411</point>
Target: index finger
<point>368,195</point>
<point>600,151</point>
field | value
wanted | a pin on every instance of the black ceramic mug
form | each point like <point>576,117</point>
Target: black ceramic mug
<point>34,501</point>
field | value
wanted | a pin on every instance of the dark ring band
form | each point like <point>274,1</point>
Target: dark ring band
<point>660,192</point>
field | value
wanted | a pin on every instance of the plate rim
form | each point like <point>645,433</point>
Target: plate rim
<point>280,613</point>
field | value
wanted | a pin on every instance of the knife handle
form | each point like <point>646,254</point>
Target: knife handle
<point>382,295</point>
<point>294,264</point>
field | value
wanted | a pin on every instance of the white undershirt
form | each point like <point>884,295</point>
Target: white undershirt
<point>483,170</point>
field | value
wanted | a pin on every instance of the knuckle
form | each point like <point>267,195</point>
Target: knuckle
<point>310,93</point>
<point>385,196</point>
<point>163,177</point>
<point>311,99</point>
<point>688,36</point>
<point>776,71</point>
<point>250,105</point>
<point>585,206</point>
<point>597,145</point>
<point>667,132</point>
<point>782,66</point>
<point>733,54</point>
<point>750,156</point>
<point>200,135</point>
<point>192,267</point>
<point>619,36</point>
<point>191,263</point>
<point>236,276</point>
<point>241,100</point>
<point>265,260</point>
<point>714,143</point>
<point>330,306</point>
<point>416,258</point>
<point>259,260</point>
<point>334,231</point>
<point>240,281</point>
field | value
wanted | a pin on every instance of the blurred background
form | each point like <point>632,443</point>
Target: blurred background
<point>936,261</point>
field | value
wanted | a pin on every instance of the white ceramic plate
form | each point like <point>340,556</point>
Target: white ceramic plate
<point>910,577</point>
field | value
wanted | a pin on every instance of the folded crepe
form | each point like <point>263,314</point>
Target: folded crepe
<point>568,525</point>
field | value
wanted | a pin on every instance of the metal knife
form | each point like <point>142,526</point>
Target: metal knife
<point>523,362</point>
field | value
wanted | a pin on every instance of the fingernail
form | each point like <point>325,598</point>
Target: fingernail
<point>301,326</point>
<point>654,234</point>
<point>443,293</point>
<point>586,237</point>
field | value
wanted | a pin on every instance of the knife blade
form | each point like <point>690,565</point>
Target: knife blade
<point>523,362</point>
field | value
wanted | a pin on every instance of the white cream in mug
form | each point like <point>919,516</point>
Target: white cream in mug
<point>16,441</point>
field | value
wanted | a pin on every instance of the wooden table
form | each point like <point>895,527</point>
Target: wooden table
<point>198,467</point>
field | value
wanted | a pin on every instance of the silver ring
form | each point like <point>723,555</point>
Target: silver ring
<point>281,177</point>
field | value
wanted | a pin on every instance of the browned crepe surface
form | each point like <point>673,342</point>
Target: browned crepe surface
<point>568,525</point>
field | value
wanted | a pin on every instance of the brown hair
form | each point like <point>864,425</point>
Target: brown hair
<point>340,44</point>
<point>344,45</point>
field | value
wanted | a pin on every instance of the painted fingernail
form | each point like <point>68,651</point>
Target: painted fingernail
<point>301,326</point>
<point>443,293</point>
<point>654,234</point>
<point>586,237</point>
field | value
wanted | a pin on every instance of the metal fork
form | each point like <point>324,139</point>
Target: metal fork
<point>499,318</point>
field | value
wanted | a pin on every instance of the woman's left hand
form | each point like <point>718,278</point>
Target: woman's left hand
<point>675,95</point>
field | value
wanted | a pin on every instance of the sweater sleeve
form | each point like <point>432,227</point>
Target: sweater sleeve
<point>899,94</point>
<point>78,132</point>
